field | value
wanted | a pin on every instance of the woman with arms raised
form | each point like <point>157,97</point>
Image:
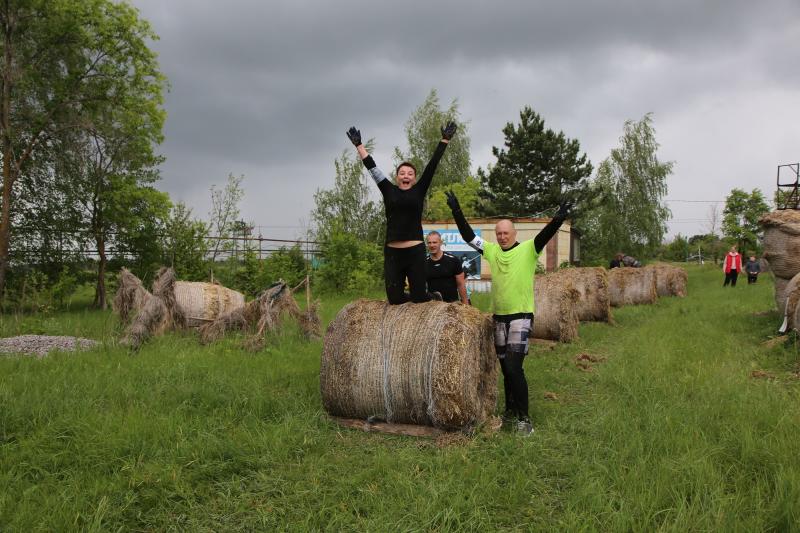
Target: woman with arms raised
<point>404,252</point>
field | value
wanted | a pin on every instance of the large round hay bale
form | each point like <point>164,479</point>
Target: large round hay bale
<point>791,295</point>
<point>430,364</point>
<point>205,302</point>
<point>556,316</point>
<point>780,292</point>
<point>782,242</point>
<point>670,280</point>
<point>594,302</point>
<point>632,286</point>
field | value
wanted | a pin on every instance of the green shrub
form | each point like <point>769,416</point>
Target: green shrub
<point>349,264</point>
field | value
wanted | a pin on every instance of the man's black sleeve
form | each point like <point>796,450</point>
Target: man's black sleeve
<point>542,238</point>
<point>465,229</point>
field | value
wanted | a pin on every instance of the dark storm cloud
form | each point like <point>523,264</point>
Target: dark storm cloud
<point>267,88</point>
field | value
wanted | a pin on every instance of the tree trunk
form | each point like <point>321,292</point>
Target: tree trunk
<point>100,292</point>
<point>8,159</point>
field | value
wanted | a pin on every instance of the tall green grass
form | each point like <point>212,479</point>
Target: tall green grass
<point>669,433</point>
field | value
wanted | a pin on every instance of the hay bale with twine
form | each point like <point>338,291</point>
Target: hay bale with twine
<point>556,316</point>
<point>670,280</point>
<point>131,296</point>
<point>782,242</point>
<point>791,295</point>
<point>205,302</point>
<point>780,292</point>
<point>159,314</point>
<point>632,286</point>
<point>429,364</point>
<point>594,302</point>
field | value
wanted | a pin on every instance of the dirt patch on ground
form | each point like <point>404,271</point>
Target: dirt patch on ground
<point>585,362</point>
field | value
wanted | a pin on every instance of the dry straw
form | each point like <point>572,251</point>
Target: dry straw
<point>782,242</point>
<point>131,296</point>
<point>594,302</point>
<point>262,316</point>
<point>632,286</point>
<point>429,364</point>
<point>670,280</point>
<point>556,315</point>
<point>159,314</point>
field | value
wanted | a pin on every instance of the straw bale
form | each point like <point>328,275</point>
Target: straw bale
<point>556,315</point>
<point>131,296</point>
<point>632,286</point>
<point>791,295</point>
<point>205,302</point>
<point>782,241</point>
<point>430,364</point>
<point>670,280</point>
<point>594,303</point>
<point>780,292</point>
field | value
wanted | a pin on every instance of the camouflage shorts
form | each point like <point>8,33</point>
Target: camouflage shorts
<point>512,336</point>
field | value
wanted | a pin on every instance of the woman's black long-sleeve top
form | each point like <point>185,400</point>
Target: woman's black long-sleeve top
<point>404,207</point>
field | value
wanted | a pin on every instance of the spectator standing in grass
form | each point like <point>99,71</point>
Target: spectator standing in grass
<point>732,266</point>
<point>753,269</point>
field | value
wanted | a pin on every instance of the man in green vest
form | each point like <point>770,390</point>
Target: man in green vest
<point>513,266</point>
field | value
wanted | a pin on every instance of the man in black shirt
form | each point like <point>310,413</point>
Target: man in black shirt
<point>444,272</point>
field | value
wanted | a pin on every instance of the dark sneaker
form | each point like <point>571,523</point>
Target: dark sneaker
<point>436,295</point>
<point>524,427</point>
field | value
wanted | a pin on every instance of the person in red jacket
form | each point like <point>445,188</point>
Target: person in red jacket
<point>732,266</point>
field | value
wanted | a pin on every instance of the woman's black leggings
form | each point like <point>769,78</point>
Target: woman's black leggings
<point>730,277</point>
<point>402,263</point>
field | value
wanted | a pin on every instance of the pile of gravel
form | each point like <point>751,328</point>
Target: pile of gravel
<point>40,345</point>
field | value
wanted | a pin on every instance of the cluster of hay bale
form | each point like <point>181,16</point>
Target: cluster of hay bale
<point>782,253</point>
<point>430,364</point>
<point>212,308</point>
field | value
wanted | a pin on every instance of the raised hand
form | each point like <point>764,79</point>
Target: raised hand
<point>452,201</point>
<point>564,208</point>
<point>354,135</point>
<point>449,130</point>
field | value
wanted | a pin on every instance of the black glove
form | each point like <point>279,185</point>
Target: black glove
<point>452,201</point>
<point>449,130</point>
<point>564,208</point>
<point>354,135</point>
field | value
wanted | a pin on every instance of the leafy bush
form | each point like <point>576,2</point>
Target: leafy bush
<point>349,264</point>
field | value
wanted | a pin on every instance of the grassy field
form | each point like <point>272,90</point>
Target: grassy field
<point>688,423</point>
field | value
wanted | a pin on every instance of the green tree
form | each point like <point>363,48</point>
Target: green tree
<point>537,169</point>
<point>224,215</point>
<point>347,207</point>
<point>468,196</point>
<point>625,211</point>
<point>676,250</point>
<point>62,61</point>
<point>740,218</point>
<point>423,133</point>
<point>187,244</point>
<point>349,264</point>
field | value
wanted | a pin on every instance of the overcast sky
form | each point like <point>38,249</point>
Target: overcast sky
<point>268,88</point>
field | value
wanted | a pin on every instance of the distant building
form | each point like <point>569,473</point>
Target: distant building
<point>563,247</point>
